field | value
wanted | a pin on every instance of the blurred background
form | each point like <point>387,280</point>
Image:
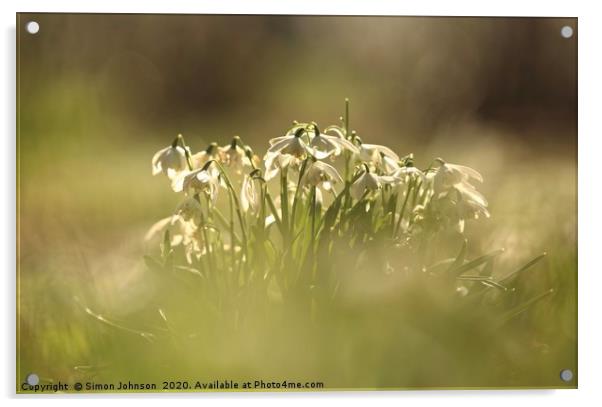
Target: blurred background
<point>99,94</point>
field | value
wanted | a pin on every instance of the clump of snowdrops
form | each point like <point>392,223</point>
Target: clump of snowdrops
<point>321,202</point>
<point>324,251</point>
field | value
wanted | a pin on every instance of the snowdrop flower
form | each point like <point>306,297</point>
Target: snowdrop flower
<point>292,143</point>
<point>389,165</point>
<point>201,158</point>
<point>323,145</point>
<point>275,162</point>
<point>470,208</point>
<point>204,180</point>
<point>451,186</point>
<point>170,161</point>
<point>470,194</point>
<point>290,132</point>
<point>457,177</point>
<point>408,173</point>
<point>191,238</point>
<point>376,156</point>
<point>189,210</point>
<point>160,227</point>
<point>250,197</point>
<point>320,174</point>
<point>370,182</point>
<point>181,232</point>
<point>234,156</point>
<point>449,175</point>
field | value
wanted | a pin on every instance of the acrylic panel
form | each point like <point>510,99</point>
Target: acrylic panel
<point>295,203</point>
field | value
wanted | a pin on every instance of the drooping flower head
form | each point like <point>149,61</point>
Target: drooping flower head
<point>370,182</point>
<point>235,156</point>
<point>323,145</point>
<point>210,153</point>
<point>320,174</point>
<point>250,195</point>
<point>159,227</point>
<point>455,195</point>
<point>170,160</point>
<point>275,162</point>
<point>458,177</point>
<point>184,228</point>
<point>291,143</point>
<point>378,157</point>
<point>448,175</point>
<point>204,181</point>
<point>190,209</point>
<point>408,172</point>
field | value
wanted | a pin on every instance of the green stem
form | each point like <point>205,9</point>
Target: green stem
<point>417,186</point>
<point>208,251</point>
<point>237,207</point>
<point>403,208</point>
<point>416,191</point>
<point>284,201</point>
<point>262,212</point>
<point>346,153</point>
<point>296,197</point>
<point>354,207</point>
<point>232,251</point>
<point>393,207</point>
<point>346,117</point>
<point>222,219</point>
<point>270,202</point>
<point>186,151</point>
<point>313,218</point>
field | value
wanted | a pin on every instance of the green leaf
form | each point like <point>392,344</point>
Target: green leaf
<point>519,309</point>
<point>333,211</point>
<point>473,278</point>
<point>475,263</point>
<point>166,249</point>
<point>523,268</point>
<point>488,268</point>
<point>460,257</point>
<point>101,318</point>
<point>484,280</point>
<point>494,284</point>
<point>153,264</point>
<point>190,270</point>
<point>441,265</point>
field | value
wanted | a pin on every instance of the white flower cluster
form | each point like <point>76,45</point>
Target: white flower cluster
<point>306,159</point>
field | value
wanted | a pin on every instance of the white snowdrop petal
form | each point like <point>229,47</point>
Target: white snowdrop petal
<point>320,155</point>
<point>381,149</point>
<point>279,145</point>
<point>346,144</point>
<point>467,171</point>
<point>278,139</point>
<point>157,228</point>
